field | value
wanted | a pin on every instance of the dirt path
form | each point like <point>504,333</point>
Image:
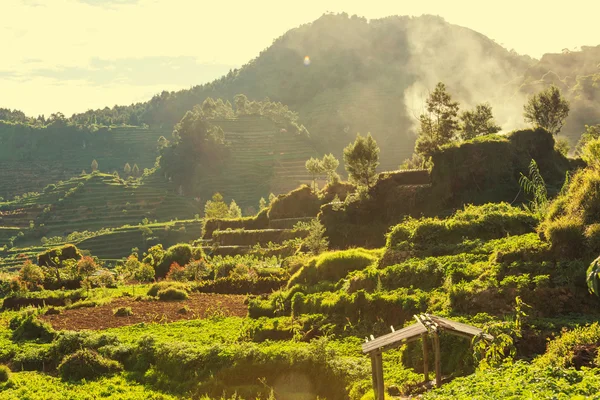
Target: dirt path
<point>200,305</point>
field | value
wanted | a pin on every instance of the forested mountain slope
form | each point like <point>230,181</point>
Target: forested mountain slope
<point>367,76</point>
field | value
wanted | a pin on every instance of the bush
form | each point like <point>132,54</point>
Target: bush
<point>4,373</point>
<point>63,253</point>
<point>122,312</point>
<point>28,327</point>
<point>562,351</point>
<point>566,236</point>
<point>333,266</point>
<point>592,238</point>
<point>157,287</point>
<point>172,294</point>
<point>181,254</point>
<point>232,285</point>
<point>86,364</point>
<point>176,273</point>
<point>260,221</point>
<point>252,237</point>
<point>301,202</point>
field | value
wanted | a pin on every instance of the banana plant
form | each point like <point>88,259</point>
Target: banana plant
<point>593,277</point>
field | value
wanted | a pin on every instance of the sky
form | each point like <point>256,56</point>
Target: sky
<point>73,55</point>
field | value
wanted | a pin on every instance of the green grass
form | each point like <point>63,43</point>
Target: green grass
<point>38,386</point>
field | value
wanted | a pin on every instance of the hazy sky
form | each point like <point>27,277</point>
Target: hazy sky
<point>72,55</point>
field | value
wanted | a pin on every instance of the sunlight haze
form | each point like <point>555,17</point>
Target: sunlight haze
<point>73,55</point>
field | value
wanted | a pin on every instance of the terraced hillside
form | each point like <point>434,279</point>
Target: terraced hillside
<point>107,244</point>
<point>31,158</point>
<point>95,201</point>
<point>264,158</point>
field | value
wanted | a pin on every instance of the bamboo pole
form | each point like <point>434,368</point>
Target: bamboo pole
<point>425,357</point>
<point>438,363</point>
<point>380,387</point>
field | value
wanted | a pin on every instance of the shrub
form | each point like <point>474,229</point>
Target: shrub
<point>31,275</point>
<point>86,364</point>
<point>28,327</point>
<point>242,237</point>
<point>566,236</point>
<point>301,202</point>
<point>52,311</point>
<point>172,294</point>
<point>562,351</point>
<point>592,238</point>
<point>157,287</point>
<point>260,221</point>
<point>4,373</point>
<point>333,266</point>
<point>181,254</point>
<point>122,312</point>
<point>241,285</point>
<point>104,278</point>
<point>63,253</point>
<point>176,273</point>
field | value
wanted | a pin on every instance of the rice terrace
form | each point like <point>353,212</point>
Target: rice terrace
<point>358,205</point>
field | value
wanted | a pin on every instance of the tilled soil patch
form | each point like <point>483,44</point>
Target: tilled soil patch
<point>199,305</point>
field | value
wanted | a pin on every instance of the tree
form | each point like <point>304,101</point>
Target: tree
<point>591,132</point>
<point>439,125</point>
<point>216,208</point>
<point>94,165</point>
<point>86,267</point>
<point>262,204</point>
<point>314,166</point>
<point>547,109</point>
<point>127,169</point>
<point>241,104</point>
<point>197,269</point>
<point>234,210</point>
<point>145,273</point>
<point>330,165</point>
<point>590,153</point>
<point>477,122</point>
<point>361,159</point>
<point>31,275</point>
<point>198,146</point>
<point>272,198</point>
<point>316,240</point>
<point>135,171</point>
<point>562,146</point>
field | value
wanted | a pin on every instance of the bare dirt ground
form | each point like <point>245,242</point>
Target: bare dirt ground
<point>199,305</point>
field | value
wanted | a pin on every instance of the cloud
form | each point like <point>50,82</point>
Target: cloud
<point>145,71</point>
<point>108,3</point>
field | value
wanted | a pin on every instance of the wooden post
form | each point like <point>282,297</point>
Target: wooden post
<point>425,357</point>
<point>374,374</point>
<point>380,393</point>
<point>438,363</point>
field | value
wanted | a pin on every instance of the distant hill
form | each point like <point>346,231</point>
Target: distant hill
<point>363,76</point>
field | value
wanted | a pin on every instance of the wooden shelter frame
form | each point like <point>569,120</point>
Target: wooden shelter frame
<point>426,325</point>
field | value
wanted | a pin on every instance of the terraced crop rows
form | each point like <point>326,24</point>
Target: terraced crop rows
<point>30,164</point>
<point>263,159</point>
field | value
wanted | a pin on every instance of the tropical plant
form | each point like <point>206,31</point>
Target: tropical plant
<point>534,185</point>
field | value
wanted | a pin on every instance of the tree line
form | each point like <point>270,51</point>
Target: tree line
<point>443,123</point>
